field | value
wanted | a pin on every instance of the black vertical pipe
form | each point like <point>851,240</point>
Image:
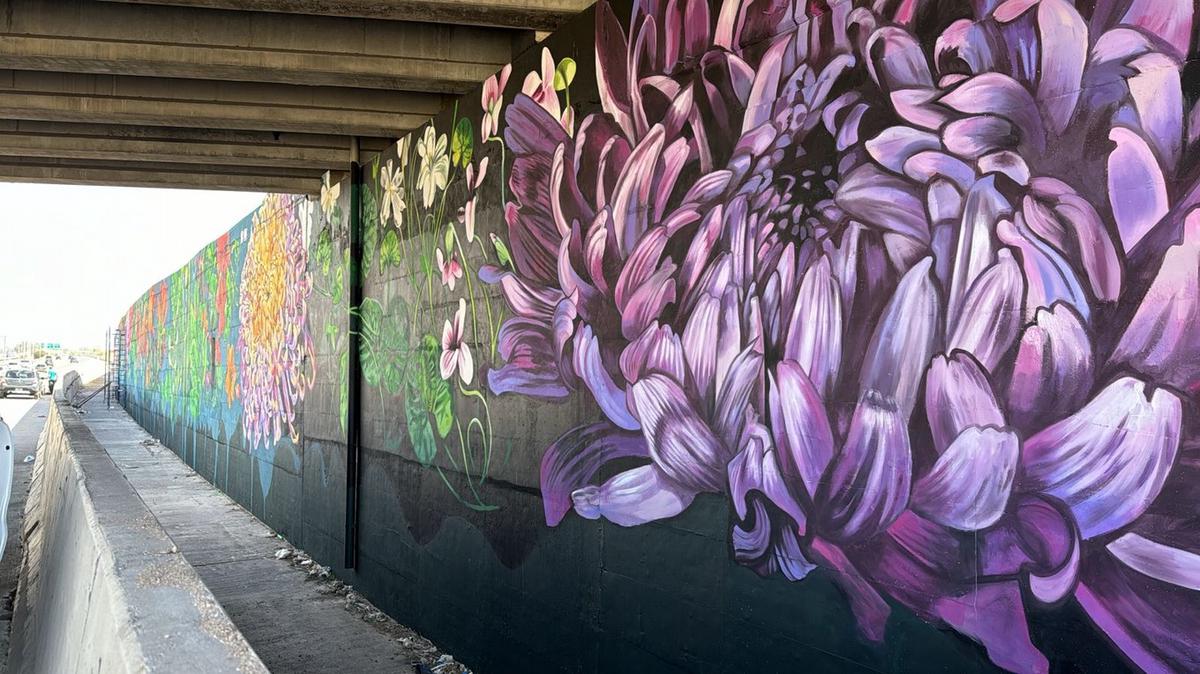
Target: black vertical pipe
<point>353,372</point>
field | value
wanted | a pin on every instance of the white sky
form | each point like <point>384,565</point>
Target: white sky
<point>72,259</point>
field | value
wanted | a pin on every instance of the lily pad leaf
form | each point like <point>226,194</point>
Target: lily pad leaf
<point>462,143</point>
<point>420,432</point>
<point>389,250</point>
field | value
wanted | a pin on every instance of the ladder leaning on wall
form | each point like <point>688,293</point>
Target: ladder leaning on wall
<point>114,367</point>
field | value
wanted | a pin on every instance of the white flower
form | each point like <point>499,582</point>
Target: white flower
<point>392,202</point>
<point>435,165</point>
<point>329,196</point>
<point>456,354</point>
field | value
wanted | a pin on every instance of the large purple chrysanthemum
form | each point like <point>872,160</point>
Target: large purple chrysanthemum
<point>918,296</point>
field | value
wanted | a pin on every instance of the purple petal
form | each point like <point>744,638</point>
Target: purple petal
<point>632,196</point>
<point>976,250</point>
<point>903,340</point>
<point>990,318</point>
<point>658,349</point>
<point>647,302</point>
<point>526,299</point>
<point>634,497</point>
<point>869,480</point>
<point>814,335</point>
<point>998,94</point>
<point>1049,278</point>
<point>1158,561</point>
<point>994,615</point>
<point>531,366</point>
<point>801,427</point>
<point>744,379</point>
<point>958,396</point>
<point>611,71</point>
<point>897,61</point>
<point>920,107</point>
<point>545,384</point>
<point>756,468</point>
<point>869,608</point>
<point>1158,96</point>
<point>1052,370</point>
<point>1170,20</point>
<point>1162,340</point>
<point>895,144</point>
<point>924,167</point>
<point>972,137</point>
<point>968,42</point>
<point>968,487</point>
<point>700,345</point>
<point>589,366</point>
<point>1152,623</point>
<point>884,201</point>
<point>576,456</point>
<point>1109,460</point>
<point>1056,213</point>
<point>1063,37</point>
<point>1039,541</point>
<point>1005,162</point>
<point>680,442</point>
<point>1137,190</point>
<point>641,264</point>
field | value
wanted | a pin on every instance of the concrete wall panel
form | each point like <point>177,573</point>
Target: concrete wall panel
<point>728,336</point>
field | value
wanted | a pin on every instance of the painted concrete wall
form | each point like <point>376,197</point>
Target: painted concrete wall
<point>710,336</point>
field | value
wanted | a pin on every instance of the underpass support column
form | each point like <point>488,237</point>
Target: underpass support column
<point>353,372</point>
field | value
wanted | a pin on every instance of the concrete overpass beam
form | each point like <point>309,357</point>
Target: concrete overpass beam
<point>541,15</point>
<point>84,36</point>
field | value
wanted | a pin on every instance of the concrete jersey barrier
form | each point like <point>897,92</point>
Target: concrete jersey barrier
<point>102,587</point>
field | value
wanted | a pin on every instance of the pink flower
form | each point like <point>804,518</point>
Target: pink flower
<point>540,87</point>
<point>466,214</point>
<point>449,267</point>
<point>493,102</point>
<point>455,352</point>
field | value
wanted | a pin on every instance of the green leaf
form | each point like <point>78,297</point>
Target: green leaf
<point>436,390</point>
<point>384,352</point>
<point>324,251</point>
<point>502,253</point>
<point>370,351</point>
<point>419,430</point>
<point>389,250</point>
<point>426,266</point>
<point>338,286</point>
<point>370,223</point>
<point>462,142</point>
<point>564,74</point>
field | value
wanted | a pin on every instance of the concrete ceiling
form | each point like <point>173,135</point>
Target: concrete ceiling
<point>237,94</point>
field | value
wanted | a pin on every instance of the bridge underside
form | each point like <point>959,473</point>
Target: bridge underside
<point>237,94</point>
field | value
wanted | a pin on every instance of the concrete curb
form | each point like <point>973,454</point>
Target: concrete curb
<point>102,586</point>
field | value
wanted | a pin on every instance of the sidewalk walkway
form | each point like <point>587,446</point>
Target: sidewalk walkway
<point>292,625</point>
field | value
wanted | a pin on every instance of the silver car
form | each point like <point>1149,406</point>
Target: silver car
<point>20,381</point>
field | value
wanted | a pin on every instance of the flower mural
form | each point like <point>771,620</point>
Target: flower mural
<point>274,344</point>
<point>223,344</point>
<point>910,283</point>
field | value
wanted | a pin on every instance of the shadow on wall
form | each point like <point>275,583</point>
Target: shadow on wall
<point>889,300</point>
